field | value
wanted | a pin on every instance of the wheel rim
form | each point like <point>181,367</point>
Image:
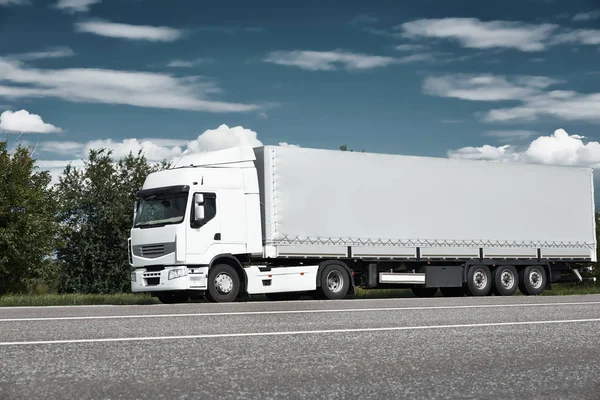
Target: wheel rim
<point>507,279</point>
<point>223,283</point>
<point>535,279</point>
<point>480,279</point>
<point>335,281</point>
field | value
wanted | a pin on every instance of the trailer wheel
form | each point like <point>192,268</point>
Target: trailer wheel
<point>334,282</point>
<point>223,284</point>
<point>479,280</point>
<point>532,280</point>
<point>506,280</point>
<point>422,291</point>
<point>172,297</point>
<point>453,291</point>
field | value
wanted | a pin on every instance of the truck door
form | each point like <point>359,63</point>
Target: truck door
<point>204,239</point>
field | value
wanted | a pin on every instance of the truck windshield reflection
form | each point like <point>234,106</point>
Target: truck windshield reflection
<point>161,209</point>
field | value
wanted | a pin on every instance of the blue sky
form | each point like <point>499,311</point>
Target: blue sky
<point>471,79</point>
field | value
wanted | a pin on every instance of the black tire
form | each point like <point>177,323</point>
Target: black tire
<point>479,280</point>
<point>532,280</point>
<point>453,291</point>
<point>287,296</point>
<point>172,297</point>
<point>223,284</point>
<point>422,291</point>
<point>506,280</point>
<point>335,282</point>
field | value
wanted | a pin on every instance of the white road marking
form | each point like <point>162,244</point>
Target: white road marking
<point>284,333</point>
<point>247,313</point>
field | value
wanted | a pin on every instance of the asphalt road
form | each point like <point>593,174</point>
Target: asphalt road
<point>467,348</point>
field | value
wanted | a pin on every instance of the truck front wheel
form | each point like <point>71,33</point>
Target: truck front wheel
<point>223,284</point>
<point>335,282</point>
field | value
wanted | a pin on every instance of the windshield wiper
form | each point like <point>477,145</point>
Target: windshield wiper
<point>149,224</point>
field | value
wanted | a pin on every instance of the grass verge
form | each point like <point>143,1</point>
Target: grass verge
<point>76,299</point>
<point>141,299</point>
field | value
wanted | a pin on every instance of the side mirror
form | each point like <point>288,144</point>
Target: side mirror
<point>198,198</point>
<point>198,213</point>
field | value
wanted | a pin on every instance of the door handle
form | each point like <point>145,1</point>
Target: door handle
<point>217,236</point>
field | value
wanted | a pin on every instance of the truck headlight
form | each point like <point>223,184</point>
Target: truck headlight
<point>177,273</point>
<point>133,279</point>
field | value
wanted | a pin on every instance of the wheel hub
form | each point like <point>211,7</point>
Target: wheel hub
<point>480,279</point>
<point>535,279</point>
<point>335,281</point>
<point>507,279</point>
<point>224,283</point>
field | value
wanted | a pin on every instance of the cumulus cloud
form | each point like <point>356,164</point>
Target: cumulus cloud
<point>474,33</point>
<point>94,85</point>
<point>24,122</point>
<point>560,148</point>
<point>330,60</point>
<point>154,149</point>
<point>579,36</point>
<point>74,6</point>
<point>126,31</point>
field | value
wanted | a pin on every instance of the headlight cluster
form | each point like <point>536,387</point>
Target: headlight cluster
<point>133,278</point>
<point>177,273</point>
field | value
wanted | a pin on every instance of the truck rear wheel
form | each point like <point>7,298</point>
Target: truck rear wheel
<point>479,280</point>
<point>422,291</point>
<point>335,282</point>
<point>532,280</point>
<point>223,284</point>
<point>506,280</point>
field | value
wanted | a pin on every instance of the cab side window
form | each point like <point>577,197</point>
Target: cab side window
<point>210,209</point>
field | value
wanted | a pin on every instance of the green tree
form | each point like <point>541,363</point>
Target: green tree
<point>96,212</point>
<point>27,225</point>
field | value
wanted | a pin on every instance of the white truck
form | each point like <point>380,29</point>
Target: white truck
<point>286,221</point>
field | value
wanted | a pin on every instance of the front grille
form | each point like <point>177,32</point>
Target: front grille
<point>152,281</point>
<point>154,250</point>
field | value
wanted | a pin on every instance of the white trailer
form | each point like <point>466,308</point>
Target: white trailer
<point>284,221</point>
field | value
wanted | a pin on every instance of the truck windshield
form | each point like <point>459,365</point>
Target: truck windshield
<point>161,209</point>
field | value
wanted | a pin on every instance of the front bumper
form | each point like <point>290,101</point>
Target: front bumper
<point>158,281</point>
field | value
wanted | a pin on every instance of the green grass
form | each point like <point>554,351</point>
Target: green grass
<point>137,299</point>
<point>76,299</point>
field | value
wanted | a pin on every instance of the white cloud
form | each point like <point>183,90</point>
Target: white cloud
<point>474,33</point>
<point>154,149</point>
<point>329,60</point>
<point>485,87</point>
<point>94,85</point>
<point>223,137</point>
<point>514,134</point>
<point>286,144</point>
<point>579,36</point>
<point>531,92</point>
<point>588,16</point>
<point>564,105</point>
<point>63,148</point>
<point>52,52</point>
<point>557,149</point>
<point>24,122</point>
<point>14,2</point>
<point>74,6</point>
<point>410,47</point>
<point>126,31</point>
<point>188,63</point>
